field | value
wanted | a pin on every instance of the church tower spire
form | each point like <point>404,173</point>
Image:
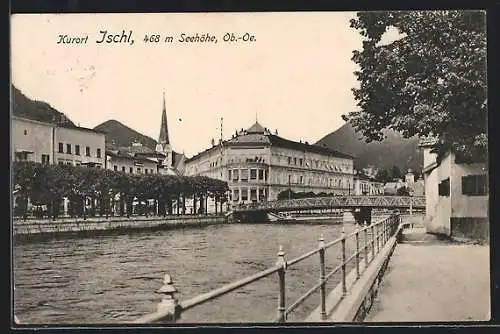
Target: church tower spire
<point>163,145</point>
<point>163,139</point>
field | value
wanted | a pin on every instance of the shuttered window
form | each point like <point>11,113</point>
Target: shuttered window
<point>475,185</point>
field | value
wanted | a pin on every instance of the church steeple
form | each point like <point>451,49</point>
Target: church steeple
<point>163,145</point>
<point>163,139</point>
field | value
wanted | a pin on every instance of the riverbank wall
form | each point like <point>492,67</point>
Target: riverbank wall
<point>39,229</point>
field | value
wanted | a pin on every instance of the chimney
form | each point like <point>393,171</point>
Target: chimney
<point>213,142</point>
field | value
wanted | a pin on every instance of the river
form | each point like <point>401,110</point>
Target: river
<point>114,278</point>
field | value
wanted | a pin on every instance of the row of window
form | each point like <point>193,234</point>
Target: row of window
<point>243,174</point>
<point>472,185</point>
<point>77,163</point>
<point>318,164</point>
<point>313,180</point>
<point>245,194</point>
<point>131,170</point>
<point>77,150</point>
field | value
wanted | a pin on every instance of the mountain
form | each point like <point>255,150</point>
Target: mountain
<point>23,106</point>
<point>118,134</point>
<point>394,150</point>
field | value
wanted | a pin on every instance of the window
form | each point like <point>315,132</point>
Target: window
<point>262,194</point>
<point>253,174</point>
<point>236,196</point>
<point>444,188</point>
<point>98,166</point>
<point>61,148</point>
<point>253,194</point>
<point>151,170</point>
<point>77,149</point>
<point>115,167</point>
<point>244,175</point>
<point>301,179</point>
<point>131,170</point>
<point>300,161</point>
<point>138,170</point>
<point>123,169</point>
<point>25,132</point>
<point>235,175</point>
<point>45,159</point>
<point>60,162</point>
<point>261,174</point>
<point>244,194</point>
<point>98,152</point>
<point>145,170</point>
<point>69,163</point>
<point>294,161</point>
<point>289,179</point>
<point>229,175</point>
<point>475,185</point>
<point>87,151</point>
<point>68,148</point>
<point>289,160</point>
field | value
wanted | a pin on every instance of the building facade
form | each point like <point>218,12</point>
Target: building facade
<point>49,143</point>
<point>456,195</point>
<point>79,146</point>
<point>259,166</point>
<point>32,140</point>
<point>365,185</point>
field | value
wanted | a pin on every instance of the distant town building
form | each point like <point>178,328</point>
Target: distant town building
<point>456,195</point>
<point>50,143</point>
<point>366,185</point>
<point>139,159</point>
<point>259,166</point>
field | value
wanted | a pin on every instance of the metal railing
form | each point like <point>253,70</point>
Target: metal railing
<point>344,201</point>
<point>375,236</point>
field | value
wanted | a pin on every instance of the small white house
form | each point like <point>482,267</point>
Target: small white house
<point>456,195</point>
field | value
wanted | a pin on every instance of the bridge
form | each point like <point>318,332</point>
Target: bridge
<point>336,202</point>
<point>361,206</point>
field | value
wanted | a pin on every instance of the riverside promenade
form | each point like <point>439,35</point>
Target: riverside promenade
<point>28,229</point>
<point>432,280</point>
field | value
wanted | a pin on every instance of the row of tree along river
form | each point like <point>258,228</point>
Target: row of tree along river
<point>47,186</point>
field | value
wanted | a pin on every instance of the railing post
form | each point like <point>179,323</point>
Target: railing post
<point>281,275</point>
<point>344,286</point>
<point>322,276</point>
<point>373,242</point>
<point>366,244</point>
<point>169,302</point>
<point>357,255</point>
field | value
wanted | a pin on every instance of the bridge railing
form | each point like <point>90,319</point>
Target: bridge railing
<point>382,201</point>
<point>374,236</point>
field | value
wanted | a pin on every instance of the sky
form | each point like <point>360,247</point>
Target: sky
<point>295,77</point>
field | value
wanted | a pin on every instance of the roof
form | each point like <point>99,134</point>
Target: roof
<point>257,135</point>
<point>285,143</point>
<point>163,139</point>
<point>126,155</point>
<point>427,141</point>
<point>256,128</point>
<point>58,125</point>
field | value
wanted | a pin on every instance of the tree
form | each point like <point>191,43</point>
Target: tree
<point>383,176</point>
<point>430,82</point>
<point>396,173</point>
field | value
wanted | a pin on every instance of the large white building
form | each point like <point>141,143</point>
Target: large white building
<point>456,195</point>
<point>50,143</point>
<point>260,166</point>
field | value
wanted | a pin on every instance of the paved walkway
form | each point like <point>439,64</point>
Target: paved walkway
<point>429,280</point>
